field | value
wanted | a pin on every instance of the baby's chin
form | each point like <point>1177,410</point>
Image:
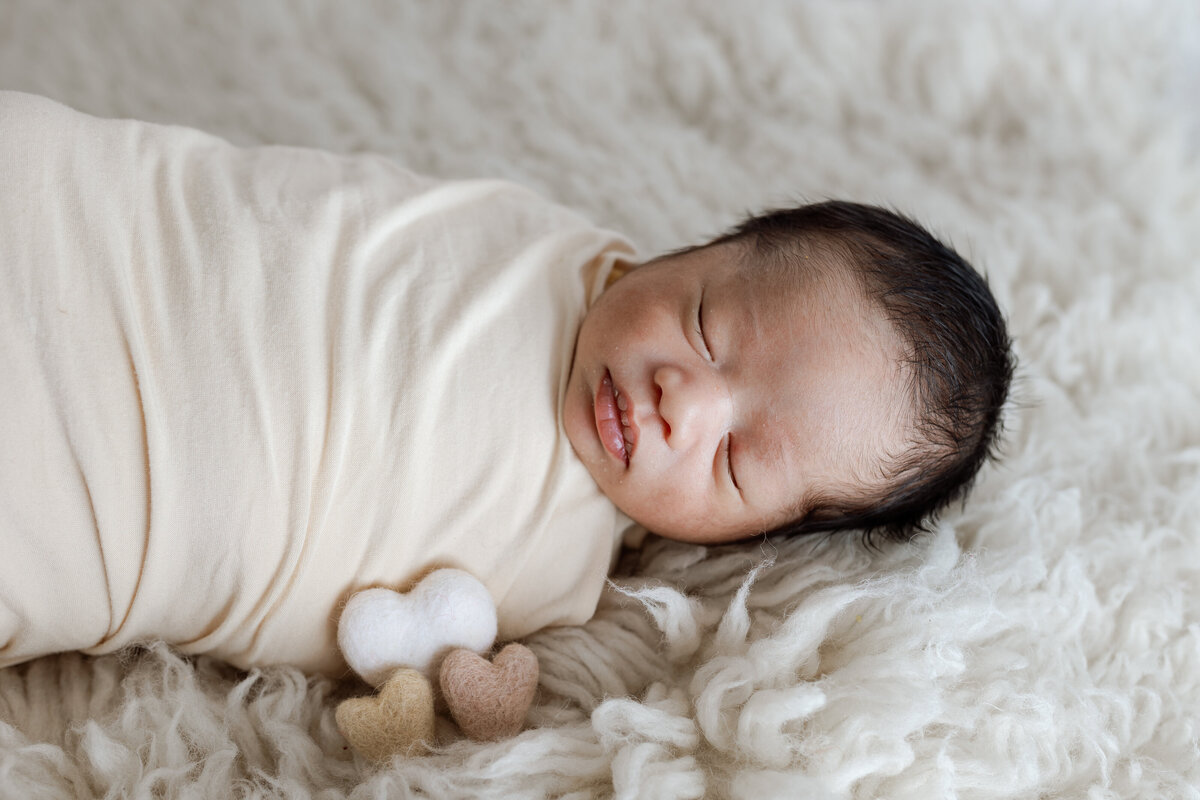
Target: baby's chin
<point>688,531</point>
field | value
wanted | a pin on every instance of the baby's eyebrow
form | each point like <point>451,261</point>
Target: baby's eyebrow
<point>754,331</point>
<point>767,458</point>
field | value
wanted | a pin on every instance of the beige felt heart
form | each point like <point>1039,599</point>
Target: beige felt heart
<point>489,701</point>
<point>398,720</point>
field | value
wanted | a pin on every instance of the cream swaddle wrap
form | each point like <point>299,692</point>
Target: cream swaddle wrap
<point>241,383</point>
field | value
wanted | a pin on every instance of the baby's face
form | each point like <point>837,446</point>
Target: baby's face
<point>708,403</point>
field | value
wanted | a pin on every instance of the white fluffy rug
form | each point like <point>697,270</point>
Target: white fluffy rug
<point>1043,642</point>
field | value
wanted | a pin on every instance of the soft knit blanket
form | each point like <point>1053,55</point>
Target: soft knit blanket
<point>1042,641</point>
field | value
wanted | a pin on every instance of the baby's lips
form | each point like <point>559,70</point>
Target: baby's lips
<point>629,428</point>
<point>608,420</point>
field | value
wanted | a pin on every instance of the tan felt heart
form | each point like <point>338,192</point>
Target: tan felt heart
<point>489,701</point>
<point>398,720</point>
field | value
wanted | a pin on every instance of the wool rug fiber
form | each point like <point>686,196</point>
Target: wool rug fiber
<point>1042,641</point>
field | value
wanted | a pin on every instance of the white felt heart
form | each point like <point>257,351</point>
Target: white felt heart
<point>381,631</point>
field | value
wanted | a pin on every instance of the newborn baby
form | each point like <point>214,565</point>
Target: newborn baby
<point>242,384</point>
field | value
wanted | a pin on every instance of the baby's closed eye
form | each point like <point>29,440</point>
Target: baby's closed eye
<point>700,327</point>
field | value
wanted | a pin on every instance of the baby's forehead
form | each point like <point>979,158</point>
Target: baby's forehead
<point>811,284</point>
<point>809,281</point>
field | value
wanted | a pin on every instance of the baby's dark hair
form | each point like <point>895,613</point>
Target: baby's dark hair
<point>956,345</point>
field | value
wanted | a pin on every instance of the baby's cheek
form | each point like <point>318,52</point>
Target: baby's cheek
<point>667,508</point>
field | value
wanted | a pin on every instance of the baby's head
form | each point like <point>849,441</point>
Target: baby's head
<point>832,366</point>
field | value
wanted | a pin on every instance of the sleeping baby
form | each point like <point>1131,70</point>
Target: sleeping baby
<point>241,384</point>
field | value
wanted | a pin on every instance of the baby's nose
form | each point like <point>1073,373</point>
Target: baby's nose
<point>695,407</point>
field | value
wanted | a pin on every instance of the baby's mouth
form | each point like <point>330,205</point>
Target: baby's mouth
<point>613,425</point>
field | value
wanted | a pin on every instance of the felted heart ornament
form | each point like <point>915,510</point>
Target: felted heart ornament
<point>397,721</point>
<point>381,631</point>
<point>489,701</point>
